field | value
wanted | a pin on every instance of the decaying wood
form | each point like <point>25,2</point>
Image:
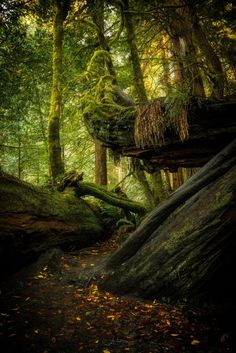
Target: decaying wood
<point>211,123</point>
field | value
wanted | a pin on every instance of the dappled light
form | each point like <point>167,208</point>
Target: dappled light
<point>117,176</point>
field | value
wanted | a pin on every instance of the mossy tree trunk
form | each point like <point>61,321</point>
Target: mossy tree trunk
<point>139,174</point>
<point>134,56</point>
<point>158,187</point>
<point>100,164</point>
<point>184,243</point>
<point>96,8</point>
<point>56,165</point>
<point>33,220</point>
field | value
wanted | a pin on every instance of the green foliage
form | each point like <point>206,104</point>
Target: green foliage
<point>87,89</point>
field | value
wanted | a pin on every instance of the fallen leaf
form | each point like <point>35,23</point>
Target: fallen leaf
<point>195,342</point>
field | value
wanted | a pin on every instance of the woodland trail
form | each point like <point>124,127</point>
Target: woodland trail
<point>49,310</point>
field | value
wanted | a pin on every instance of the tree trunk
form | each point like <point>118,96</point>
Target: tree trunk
<point>185,51</point>
<point>56,165</point>
<point>33,220</point>
<point>211,126</point>
<point>141,177</point>
<point>213,62</point>
<point>178,252</point>
<point>110,197</point>
<point>216,167</point>
<point>97,13</point>
<point>137,71</point>
<point>100,164</point>
<point>166,65</point>
<point>158,189</point>
<point>177,179</point>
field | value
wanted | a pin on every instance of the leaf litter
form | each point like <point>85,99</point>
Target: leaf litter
<point>50,311</point>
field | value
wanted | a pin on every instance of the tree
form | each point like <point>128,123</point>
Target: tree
<point>28,229</point>
<point>55,157</point>
<point>137,71</point>
<point>163,257</point>
<point>213,63</point>
<point>100,164</point>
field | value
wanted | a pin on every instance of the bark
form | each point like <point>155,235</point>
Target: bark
<point>211,126</point>
<point>177,178</point>
<point>213,63</point>
<point>110,197</point>
<point>141,177</point>
<point>215,168</point>
<point>97,13</point>
<point>181,28</point>
<point>74,180</point>
<point>181,252</point>
<point>134,56</point>
<point>178,65</point>
<point>56,165</point>
<point>100,164</point>
<point>33,220</point>
<point>166,65</point>
<point>158,188</point>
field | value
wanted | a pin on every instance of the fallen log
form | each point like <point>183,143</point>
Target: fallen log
<point>72,179</point>
<point>212,126</point>
<point>184,248</point>
<point>33,220</point>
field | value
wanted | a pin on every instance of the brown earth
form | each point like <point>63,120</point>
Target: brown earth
<point>49,308</point>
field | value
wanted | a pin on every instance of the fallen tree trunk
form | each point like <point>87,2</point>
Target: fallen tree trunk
<point>180,249</point>
<point>33,220</point>
<point>212,126</point>
<point>110,197</point>
<point>74,180</point>
<point>212,170</point>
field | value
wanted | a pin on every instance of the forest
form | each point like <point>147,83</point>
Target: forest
<point>117,176</point>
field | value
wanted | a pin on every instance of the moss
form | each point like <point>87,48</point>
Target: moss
<point>19,197</point>
<point>221,200</point>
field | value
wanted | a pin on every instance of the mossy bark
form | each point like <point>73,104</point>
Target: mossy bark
<point>32,220</point>
<point>134,56</point>
<point>110,197</point>
<point>139,174</point>
<point>56,165</point>
<point>181,247</point>
<point>211,126</point>
<point>100,164</point>
<point>187,251</point>
<point>96,8</point>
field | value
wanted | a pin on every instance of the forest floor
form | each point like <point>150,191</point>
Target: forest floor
<point>47,309</point>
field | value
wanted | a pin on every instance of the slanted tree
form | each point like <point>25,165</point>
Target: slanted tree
<point>184,244</point>
<point>215,71</point>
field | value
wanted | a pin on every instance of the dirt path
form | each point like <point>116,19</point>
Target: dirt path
<point>49,310</point>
